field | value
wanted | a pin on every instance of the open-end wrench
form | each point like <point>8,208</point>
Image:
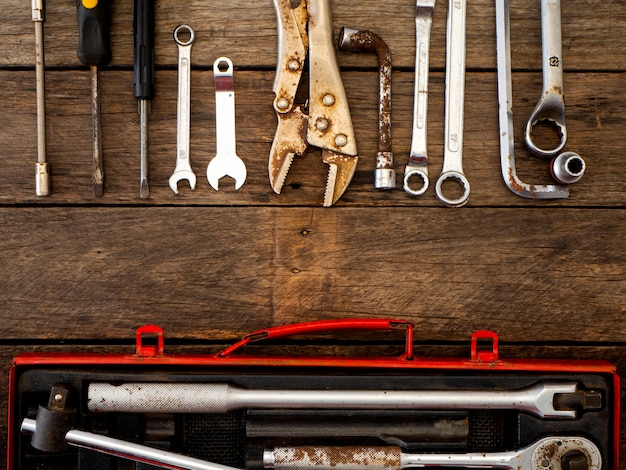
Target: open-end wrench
<point>549,453</point>
<point>416,170</point>
<point>183,169</point>
<point>226,162</point>
<point>147,397</point>
<point>455,95</point>
<point>551,107</point>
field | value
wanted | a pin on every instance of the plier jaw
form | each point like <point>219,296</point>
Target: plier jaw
<point>325,122</point>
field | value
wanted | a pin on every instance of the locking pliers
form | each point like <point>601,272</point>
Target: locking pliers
<point>324,120</point>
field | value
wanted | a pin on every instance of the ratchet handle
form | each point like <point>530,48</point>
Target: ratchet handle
<point>94,24</point>
<point>143,25</point>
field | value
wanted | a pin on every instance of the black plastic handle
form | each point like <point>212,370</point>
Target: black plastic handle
<point>143,25</point>
<point>94,25</point>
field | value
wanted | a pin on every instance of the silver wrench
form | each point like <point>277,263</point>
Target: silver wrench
<point>183,169</point>
<point>142,397</point>
<point>455,95</point>
<point>551,107</point>
<point>226,162</point>
<point>548,453</point>
<point>416,170</point>
<point>505,116</point>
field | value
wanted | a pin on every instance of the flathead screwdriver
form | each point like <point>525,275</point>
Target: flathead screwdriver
<point>144,79</point>
<point>94,49</point>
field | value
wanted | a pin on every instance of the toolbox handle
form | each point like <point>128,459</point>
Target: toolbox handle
<point>327,326</point>
<point>144,350</point>
<point>485,355</point>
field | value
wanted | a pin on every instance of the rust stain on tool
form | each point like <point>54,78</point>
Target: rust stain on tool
<point>353,40</point>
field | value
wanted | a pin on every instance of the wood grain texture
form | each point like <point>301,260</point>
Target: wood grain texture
<point>220,272</point>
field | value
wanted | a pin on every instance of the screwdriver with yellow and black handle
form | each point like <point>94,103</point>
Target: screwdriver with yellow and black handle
<point>94,49</point>
<point>143,25</point>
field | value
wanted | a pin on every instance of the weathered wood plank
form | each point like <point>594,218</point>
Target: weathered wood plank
<point>247,32</point>
<point>549,275</point>
<point>594,119</point>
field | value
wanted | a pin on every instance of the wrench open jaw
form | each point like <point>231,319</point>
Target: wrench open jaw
<point>226,162</point>
<point>324,122</point>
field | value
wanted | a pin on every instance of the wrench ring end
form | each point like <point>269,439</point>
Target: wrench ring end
<point>421,174</point>
<point>184,27</point>
<point>462,180</point>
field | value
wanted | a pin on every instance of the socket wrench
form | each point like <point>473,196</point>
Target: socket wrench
<point>129,450</point>
<point>547,453</point>
<point>153,397</point>
<point>455,96</point>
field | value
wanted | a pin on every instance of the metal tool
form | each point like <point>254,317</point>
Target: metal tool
<point>42,173</point>
<point>416,171</point>
<point>144,80</point>
<point>128,450</point>
<point>355,40</point>
<point>328,124</point>
<point>551,107</point>
<point>505,115</point>
<point>183,170</point>
<point>554,452</point>
<point>455,96</point>
<point>146,397</point>
<point>94,49</point>
<point>567,168</point>
<point>226,162</point>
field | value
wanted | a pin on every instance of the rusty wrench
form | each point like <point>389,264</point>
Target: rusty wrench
<point>547,453</point>
<point>416,169</point>
<point>455,95</point>
<point>183,170</point>
<point>226,162</point>
<point>355,40</point>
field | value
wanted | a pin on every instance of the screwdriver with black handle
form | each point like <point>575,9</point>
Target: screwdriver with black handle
<point>143,24</point>
<point>94,49</point>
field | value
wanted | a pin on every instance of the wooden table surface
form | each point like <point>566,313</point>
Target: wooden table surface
<point>81,272</point>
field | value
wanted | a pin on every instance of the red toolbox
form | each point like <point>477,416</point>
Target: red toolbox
<point>150,409</point>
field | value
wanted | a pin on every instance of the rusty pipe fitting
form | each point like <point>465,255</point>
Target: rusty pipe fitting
<point>366,41</point>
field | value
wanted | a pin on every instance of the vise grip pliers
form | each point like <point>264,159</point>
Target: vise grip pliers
<point>324,120</point>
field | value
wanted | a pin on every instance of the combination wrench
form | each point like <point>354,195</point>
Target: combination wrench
<point>183,170</point>
<point>226,162</point>
<point>551,106</point>
<point>416,171</point>
<point>568,167</point>
<point>549,453</point>
<point>147,397</point>
<point>455,94</point>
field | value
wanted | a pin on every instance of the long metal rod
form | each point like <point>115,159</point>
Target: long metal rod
<point>42,175</point>
<point>155,397</point>
<point>130,450</point>
<point>98,170</point>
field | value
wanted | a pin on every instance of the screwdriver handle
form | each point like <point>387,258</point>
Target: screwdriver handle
<point>143,25</point>
<point>94,24</point>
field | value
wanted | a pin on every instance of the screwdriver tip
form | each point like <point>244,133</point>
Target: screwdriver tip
<point>98,189</point>
<point>144,191</point>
